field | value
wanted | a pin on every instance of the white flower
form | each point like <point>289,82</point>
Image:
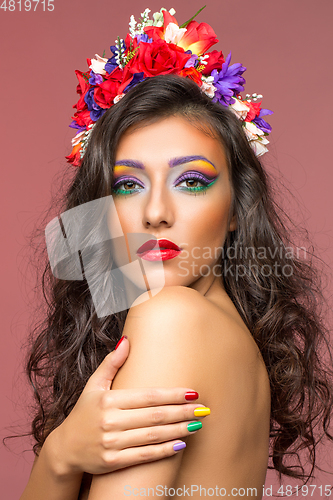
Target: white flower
<point>98,65</point>
<point>252,131</point>
<point>208,88</point>
<point>258,147</point>
<point>159,19</point>
<point>256,138</point>
<point>202,59</point>
<point>118,97</point>
<point>240,109</point>
<point>78,138</point>
<point>132,26</point>
<point>173,34</point>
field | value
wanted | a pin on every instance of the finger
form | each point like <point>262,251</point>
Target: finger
<point>148,417</point>
<point>142,454</point>
<point>153,435</point>
<point>150,396</point>
<point>103,376</point>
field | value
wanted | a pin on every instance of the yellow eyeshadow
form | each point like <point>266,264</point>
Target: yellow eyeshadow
<point>206,167</point>
<point>119,169</point>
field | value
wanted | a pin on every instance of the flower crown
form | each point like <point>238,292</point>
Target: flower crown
<point>159,47</point>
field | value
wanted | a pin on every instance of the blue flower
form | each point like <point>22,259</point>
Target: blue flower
<point>95,78</point>
<point>228,81</point>
<point>137,77</point>
<point>112,63</point>
<point>95,110</point>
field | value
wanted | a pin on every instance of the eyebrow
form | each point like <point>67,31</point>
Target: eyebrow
<point>174,162</point>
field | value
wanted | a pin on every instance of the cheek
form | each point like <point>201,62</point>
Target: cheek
<point>127,217</point>
<point>209,225</point>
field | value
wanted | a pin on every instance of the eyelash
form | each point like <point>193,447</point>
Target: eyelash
<point>183,178</point>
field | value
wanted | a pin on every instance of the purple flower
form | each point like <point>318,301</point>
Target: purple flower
<point>143,38</point>
<point>228,81</point>
<point>95,110</point>
<point>95,79</point>
<point>74,124</point>
<point>112,64</point>
<point>137,77</point>
<point>192,60</point>
<point>261,123</point>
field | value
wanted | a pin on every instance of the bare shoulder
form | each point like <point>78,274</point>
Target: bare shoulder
<point>169,296</point>
<point>182,312</point>
<point>179,328</point>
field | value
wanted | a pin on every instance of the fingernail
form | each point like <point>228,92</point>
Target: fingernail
<point>190,395</point>
<point>120,341</point>
<point>179,446</point>
<point>194,426</point>
<point>202,412</point>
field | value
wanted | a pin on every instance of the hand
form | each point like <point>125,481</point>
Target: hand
<point>112,429</point>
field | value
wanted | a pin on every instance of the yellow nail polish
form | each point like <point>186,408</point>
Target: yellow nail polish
<point>201,412</point>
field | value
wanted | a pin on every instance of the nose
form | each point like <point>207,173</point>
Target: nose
<point>158,208</point>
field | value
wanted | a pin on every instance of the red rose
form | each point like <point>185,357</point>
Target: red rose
<point>106,91</point>
<point>158,58</point>
<point>127,77</point>
<point>82,118</point>
<point>154,32</point>
<point>81,89</point>
<point>214,61</point>
<point>198,38</point>
<point>254,110</point>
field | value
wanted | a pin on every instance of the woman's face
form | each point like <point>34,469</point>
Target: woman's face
<point>171,182</point>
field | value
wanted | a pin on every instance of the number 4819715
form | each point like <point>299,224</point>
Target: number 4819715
<point>20,5</point>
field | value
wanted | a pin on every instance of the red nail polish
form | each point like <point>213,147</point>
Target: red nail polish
<point>191,395</point>
<point>120,341</point>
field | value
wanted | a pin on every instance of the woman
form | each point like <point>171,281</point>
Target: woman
<point>245,338</point>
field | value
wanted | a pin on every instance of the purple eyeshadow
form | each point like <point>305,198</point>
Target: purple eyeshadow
<point>195,175</point>
<point>121,180</point>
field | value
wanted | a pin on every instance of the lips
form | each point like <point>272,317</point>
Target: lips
<point>157,245</point>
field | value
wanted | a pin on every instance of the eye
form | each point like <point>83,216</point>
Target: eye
<point>126,186</point>
<point>194,182</point>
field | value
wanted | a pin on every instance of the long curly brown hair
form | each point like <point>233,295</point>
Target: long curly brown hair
<point>282,309</point>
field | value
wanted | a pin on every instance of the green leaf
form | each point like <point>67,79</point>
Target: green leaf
<point>195,15</point>
<point>103,53</point>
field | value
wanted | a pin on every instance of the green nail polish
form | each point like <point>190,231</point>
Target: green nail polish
<point>194,426</point>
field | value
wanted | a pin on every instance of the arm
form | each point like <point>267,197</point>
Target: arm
<point>163,333</point>
<point>82,443</point>
<point>174,342</point>
<point>46,481</point>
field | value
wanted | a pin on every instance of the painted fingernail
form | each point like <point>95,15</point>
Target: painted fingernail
<point>120,341</point>
<point>194,426</point>
<point>191,395</point>
<point>202,412</point>
<point>179,446</point>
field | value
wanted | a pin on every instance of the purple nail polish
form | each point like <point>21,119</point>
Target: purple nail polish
<point>179,446</point>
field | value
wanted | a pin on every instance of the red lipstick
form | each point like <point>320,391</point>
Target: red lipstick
<point>158,250</point>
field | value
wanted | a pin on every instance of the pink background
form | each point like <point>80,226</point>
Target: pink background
<point>287,48</point>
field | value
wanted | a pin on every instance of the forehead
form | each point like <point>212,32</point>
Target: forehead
<point>166,138</point>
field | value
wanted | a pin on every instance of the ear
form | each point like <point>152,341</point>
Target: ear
<point>233,223</point>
